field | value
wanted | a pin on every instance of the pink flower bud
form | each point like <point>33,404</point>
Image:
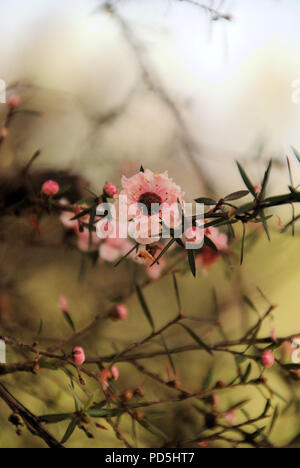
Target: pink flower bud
<point>267,358</point>
<point>14,101</point>
<point>202,444</point>
<point>63,304</point>
<point>104,375</point>
<point>4,132</point>
<point>230,417</point>
<point>122,311</point>
<point>273,334</point>
<point>110,190</point>
<point>79,355</point>
<point>115,372</point>
<point>257,188</point>
<point>50,188</point>
<point>215,399</point>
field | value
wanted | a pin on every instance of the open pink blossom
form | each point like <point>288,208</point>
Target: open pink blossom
<point>148,195</point>
<point>218,238</point>
<point>50,188</point>
<point>79,355</point>
<point>207,256</point>
<point>111,250</point>
<point>193,236</point>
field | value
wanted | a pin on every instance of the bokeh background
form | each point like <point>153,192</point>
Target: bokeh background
<point>172,88</point>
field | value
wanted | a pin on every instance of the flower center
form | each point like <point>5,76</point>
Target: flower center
<point>148,199</point>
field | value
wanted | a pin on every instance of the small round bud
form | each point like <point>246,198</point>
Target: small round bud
<point>139,391</point>
<point>4,132</point>
<point>110,190</point>
<point>50,188</point>
<point>122,311</point>
<point>202,444</point>
<point>139,415</point>
<point>63,304</point>
<point>127,396</point>
<point>230,417</point>
<point>257,188</point>
<point>78,355</point>
<point>221,384</point>
<point>215,399</point>
<point>115,372</point>
<point>14,101</point>
<point>267,358</point>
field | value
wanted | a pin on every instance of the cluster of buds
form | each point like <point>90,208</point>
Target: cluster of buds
<point>108,374</point>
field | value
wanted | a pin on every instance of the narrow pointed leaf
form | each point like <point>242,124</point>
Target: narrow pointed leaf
<point>144,306</point>
<point>266,179</point>
<point>164,251</point>
<point>191,259</point>
<point>236,195</point>
<point>246,179</point>
<point>168,353</point>
<point>206,201</point>
<point>71,428</point>
<point>209,243</point>
<point>68,319</point>
<point>197,339</point>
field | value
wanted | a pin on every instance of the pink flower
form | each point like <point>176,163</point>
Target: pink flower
<point>115,372</point>
<point>104,375</point>
<point>230,417</point>
<point>147,198</point>
<point>267,358</point>
<point>194,235</point>
<point>4,132</point>
<point>206,256</point>
<point>87,242</point>
<point>14,101</point>
<point>273,334</point>
<point>257,188</point>
<point>79,355</point>
<point>218,238</point>
<point>50,188</point>
<point>216,399</point>
<point>122,311</point>
<point>63,304</point>
<point>112,250</point>
<point>110,190</point>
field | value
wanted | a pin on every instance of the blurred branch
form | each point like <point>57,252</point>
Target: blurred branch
<point>148,75</point>
<point>216,14</point>
<point>31,421</point>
